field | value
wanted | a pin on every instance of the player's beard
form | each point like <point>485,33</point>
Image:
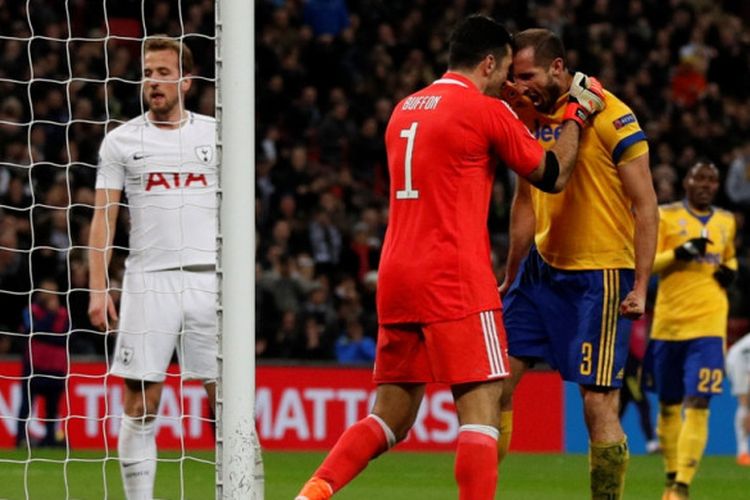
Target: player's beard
<point>163,112</point>
<point>549,96</point>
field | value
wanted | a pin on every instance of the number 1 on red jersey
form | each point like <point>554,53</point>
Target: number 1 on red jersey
<point>408,193</point>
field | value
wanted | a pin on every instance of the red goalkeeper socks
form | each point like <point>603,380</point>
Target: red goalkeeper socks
<point>476,462</point>
<point>359,444</point>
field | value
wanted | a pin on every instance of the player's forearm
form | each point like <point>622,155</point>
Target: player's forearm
<point>646,230</point>
<point>516,253</point>
<point>566,150</point>
<point>99,252</point>
<point>522,227</point>
<point>101,236</point>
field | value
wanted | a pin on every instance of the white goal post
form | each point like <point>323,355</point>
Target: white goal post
<point>239,465</point>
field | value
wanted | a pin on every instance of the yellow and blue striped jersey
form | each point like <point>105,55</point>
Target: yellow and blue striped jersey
<point>589,225</point>
<point>690,303</point>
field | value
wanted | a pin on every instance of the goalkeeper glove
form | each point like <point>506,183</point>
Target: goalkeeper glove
<point>691,249</point>
<point>725,276</point>
<point>585,98</point>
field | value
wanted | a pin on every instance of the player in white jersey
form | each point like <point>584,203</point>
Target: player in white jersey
<point>738,373</point>
<point>165,162</point>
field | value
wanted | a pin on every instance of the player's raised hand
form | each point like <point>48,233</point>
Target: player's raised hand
<point>692,248</point>
<point>585,98</point>
<point>102,311</point>
<point>633,306</point>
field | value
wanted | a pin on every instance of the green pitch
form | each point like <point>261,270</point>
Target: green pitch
<point>395,476</point>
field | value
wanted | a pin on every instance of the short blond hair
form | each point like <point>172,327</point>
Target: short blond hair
<point>163,42</point>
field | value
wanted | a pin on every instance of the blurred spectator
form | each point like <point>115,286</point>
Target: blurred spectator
<point>689,80</point>
<point>369,312</point>
<point>326,242</point>
<point>282,285</point>
<point>14,278</point>
<point>353,346</point>
<point>665,183</point>
<point>738,178</point>
<point>84,338</point>
<point>335,134</point>
<point>319,307</point>
<point>287,337</point>
<point>365,248</point>
<point>16,203</point>
<point>45,361</point>
<point>327,17</point>
<point>315,343</point>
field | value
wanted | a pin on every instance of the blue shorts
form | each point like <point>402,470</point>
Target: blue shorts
<point>685,368</point>
<point>570,319</point>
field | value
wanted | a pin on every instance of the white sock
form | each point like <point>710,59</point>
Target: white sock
<point>389,435</point>
<point>137,450</point>
<point>739,429</point>
<point>487,430</point>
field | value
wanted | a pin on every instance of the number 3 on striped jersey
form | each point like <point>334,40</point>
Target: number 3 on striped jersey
<point>408,193</point>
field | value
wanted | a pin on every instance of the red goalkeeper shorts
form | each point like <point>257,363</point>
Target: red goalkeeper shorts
<point>471,349</point>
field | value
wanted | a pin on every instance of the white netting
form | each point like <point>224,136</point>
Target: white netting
<point>69,72</point>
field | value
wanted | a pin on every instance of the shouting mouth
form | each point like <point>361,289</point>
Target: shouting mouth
<point>535,98</point>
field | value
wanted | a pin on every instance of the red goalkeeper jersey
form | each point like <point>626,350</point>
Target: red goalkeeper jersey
<point>443,144</point>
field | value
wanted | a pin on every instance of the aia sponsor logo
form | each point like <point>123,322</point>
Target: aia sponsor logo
<point>165,181</point>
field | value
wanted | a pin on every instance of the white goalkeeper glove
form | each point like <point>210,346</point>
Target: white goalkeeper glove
<point>586,98</point>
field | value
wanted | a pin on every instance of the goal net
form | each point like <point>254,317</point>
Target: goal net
<point>71,72</point>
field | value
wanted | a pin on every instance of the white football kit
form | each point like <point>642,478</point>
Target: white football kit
<point>738,366</point>
<point>170,290</point>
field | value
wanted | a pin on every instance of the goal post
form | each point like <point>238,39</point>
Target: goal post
<point>239,465</point>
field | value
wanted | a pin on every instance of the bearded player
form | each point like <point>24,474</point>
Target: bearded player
<point>579,261</point>
<point>165,161</point>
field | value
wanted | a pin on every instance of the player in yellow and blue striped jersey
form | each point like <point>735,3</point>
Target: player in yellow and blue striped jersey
<point>695,262</point>
<point>580,260</point>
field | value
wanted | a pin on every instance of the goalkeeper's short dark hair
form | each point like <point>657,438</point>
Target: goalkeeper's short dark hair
<point>547,46</point>
<point>475,38</point>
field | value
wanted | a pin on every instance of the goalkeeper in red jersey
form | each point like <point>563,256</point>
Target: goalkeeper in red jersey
<point>438,307</point>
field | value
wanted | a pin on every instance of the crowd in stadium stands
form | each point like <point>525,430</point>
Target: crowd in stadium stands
<point>328,73</point>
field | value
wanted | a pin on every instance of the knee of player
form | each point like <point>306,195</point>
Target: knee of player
<point>401,430</point>
<point>396,428</point>
<point>139,403</point>
<point>597,399</point>
<point>138,410</point>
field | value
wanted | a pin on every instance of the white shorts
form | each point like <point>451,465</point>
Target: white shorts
<point>738,366</point>
<point>161,311</point>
